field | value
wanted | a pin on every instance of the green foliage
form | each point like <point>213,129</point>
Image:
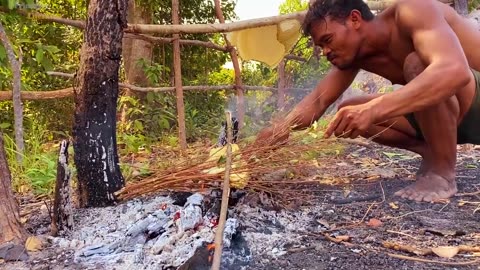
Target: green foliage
<point>290,6</point>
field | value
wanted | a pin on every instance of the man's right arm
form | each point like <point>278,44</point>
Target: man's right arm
<point>311,108</point>
<point>314,105</point>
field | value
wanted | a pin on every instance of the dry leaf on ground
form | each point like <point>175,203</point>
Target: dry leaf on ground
<point>33,244</point>
<point>373,222</point>
<point>446,251</point>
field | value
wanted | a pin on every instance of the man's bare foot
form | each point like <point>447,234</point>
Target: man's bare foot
<point>429,187</point>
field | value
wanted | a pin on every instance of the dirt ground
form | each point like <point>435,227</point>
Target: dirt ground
<point>348,224</point>
<point>378,173</point>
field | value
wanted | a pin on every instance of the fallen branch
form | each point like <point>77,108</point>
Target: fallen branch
<point>432,261</point>
<point>225,195</point>
<point>405,248</point>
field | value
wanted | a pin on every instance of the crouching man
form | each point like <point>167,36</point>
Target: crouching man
<point>424,46</point>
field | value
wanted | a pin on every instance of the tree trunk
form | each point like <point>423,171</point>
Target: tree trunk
<point>178,78</point>
<point>133,51</point>
<point>96,94</point>
<point>11,229</point>
<point>17,102</point>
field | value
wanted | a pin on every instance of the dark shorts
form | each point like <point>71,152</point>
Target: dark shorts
<point>469,129</point>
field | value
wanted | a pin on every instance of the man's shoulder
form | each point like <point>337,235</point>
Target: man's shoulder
<point>411,13</point>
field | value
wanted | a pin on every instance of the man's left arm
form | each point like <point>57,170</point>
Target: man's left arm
<point>447,69</point>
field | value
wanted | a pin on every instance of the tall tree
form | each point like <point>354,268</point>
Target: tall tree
<point>11,229</point>
<point>96,93</point>
<point>135,51</point>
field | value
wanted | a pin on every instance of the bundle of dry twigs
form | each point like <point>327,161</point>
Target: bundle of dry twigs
<point>258,163</point>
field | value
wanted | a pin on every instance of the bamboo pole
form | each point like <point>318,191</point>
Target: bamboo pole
<point>68,92</point>
<point>163,40</point>
<point>197,28</point>
<point>177,67</point>
<point>217,256</point>
<point>236,68</point>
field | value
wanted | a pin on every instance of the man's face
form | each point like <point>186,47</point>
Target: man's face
<point>339,41</point>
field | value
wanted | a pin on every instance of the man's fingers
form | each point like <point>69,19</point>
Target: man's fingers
<point>355,134</point>
<point>333,125</point>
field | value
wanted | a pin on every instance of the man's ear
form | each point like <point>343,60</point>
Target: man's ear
<point>355,18</point>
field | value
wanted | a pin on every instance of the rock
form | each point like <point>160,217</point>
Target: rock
<point>161,242</point>
<point>63,243</point>
<point>190,217</point>
<point>231,226</point>
<point>11,252</point>
<point>139,255</point>
<point>74,244</point>
<point>141,226</point>
<point>195,199</point>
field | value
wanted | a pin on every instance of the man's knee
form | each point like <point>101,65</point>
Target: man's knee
<point>357,100</point>
<point>412,66</point>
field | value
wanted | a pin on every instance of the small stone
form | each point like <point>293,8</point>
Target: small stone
<point>195,199</point>
<point>139,254</point>
<point>64,243</point>
<point>190,217</point>
<point>74,243</point>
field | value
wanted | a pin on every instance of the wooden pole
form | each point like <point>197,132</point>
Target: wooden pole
<point>178,78</point>
<point>236,67</point>
<point>217,256</point>
<point>281,86</point>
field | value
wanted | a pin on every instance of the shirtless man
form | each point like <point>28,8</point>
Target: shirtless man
<point>424,46</point>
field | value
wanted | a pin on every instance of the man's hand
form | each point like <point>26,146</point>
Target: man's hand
<point>351,121</point>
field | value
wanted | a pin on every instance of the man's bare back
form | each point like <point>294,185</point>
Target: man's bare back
<point>425,46</point>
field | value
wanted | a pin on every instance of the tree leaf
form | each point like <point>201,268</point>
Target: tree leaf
<point>11,4</point>
<point>39,55</point>
<point>5,125</point>
<point>3,53</point>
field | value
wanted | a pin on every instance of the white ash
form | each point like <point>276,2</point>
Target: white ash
<point>118,236</point>
<point>155,234</point>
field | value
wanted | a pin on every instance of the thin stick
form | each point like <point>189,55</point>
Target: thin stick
<point>226,190</point>
<point>401,233</point>
<point>432,261</point>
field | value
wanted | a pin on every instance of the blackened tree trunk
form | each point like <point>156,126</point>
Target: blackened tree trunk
<point>11,229</point>
<point>96,93</point>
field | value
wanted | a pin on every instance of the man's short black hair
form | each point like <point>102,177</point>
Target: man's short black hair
<point>336,9</point>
